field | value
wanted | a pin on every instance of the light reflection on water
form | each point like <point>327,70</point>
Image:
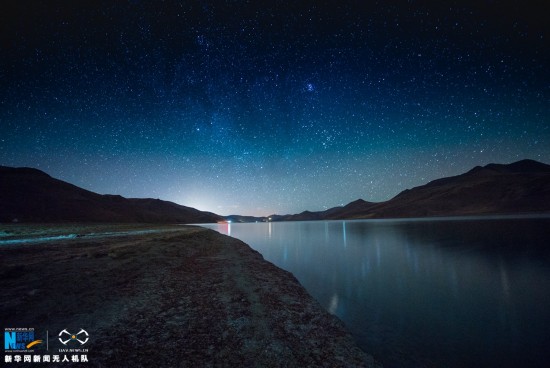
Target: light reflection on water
<point>466,292</point>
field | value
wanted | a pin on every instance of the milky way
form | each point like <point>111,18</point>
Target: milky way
<point>257,107</point>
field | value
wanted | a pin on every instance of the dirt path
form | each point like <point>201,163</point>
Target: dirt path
<point>189,297</point>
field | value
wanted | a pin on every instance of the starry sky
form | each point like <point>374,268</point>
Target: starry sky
<point>262,107</point>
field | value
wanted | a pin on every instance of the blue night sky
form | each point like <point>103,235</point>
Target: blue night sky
<point>262,107</point>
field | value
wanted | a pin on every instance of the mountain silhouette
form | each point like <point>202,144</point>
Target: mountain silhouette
<point>519,187</point>
<point>31,195</point>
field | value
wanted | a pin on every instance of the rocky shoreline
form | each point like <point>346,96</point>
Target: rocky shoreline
<point>179,296</point>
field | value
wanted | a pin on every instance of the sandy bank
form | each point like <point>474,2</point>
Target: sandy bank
<point>181,297</point>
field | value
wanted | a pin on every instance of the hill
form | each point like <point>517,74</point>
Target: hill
<point>519,187</point>
<point>30,195</point>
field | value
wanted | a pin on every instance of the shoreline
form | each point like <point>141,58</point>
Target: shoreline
<point>183,296</point>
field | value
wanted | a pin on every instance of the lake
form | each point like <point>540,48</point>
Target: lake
<point>447,292</point>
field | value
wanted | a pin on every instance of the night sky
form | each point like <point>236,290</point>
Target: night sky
<point>262,107</point>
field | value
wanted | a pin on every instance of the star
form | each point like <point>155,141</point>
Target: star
<point>320,97</point>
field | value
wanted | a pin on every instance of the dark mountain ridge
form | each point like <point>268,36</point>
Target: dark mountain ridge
<point>30,195</point>
<point>519,187</point>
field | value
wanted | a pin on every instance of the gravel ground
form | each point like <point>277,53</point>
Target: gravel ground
<point>176,297</point>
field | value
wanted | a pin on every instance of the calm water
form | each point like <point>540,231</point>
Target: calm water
<point>434,293</point>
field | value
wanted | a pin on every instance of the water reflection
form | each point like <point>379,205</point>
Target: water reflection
<point>344,234</point>
<point>424,293</point>
<point>333,306</point>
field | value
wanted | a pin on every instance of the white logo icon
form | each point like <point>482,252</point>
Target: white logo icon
<point>82,337</point>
